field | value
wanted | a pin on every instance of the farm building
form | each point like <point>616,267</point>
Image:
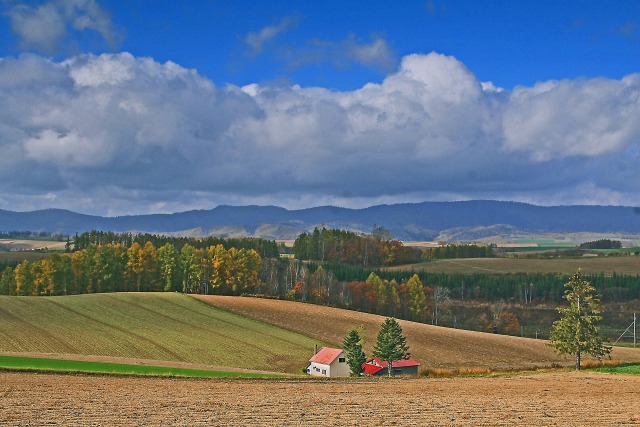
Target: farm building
<point>328,362</point>
<point>375,366</point>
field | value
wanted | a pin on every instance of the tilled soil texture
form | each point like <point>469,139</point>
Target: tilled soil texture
<point>559,399</point>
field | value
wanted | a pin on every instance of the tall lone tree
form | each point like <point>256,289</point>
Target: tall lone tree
<point>391,344</point>
<point>576,332</point>
<point>352,346</point>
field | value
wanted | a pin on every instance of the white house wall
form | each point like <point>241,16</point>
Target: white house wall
<point>339,369</point>
<point>335,369</point>
<point>319,370</point>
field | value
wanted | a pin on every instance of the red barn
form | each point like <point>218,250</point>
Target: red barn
<point>375,366</point>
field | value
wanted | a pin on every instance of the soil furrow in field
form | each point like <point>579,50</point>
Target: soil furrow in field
<point>562,399</point>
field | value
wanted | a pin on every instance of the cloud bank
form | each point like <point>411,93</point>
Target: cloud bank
<point>117,134</point>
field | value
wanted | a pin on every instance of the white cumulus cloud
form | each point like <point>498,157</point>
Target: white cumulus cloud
<point>116,133</point>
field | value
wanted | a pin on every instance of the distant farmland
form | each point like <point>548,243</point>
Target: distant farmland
<point>589,265</point>
<point>30,245</point>
<point>14,251</point>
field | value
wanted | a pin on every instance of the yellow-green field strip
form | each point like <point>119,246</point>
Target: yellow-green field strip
<point>76,366</point>
<point>625,368</point>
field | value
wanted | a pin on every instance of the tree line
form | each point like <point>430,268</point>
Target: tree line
<point>602,244</point>
<point>111,268</point>
<point>266,248</point>
<point>523,288</point>
<point>116,268</point>
<point>347,247</point>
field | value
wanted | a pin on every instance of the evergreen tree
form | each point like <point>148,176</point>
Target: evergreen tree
<point>352,346</point>
<point>391,344</point>
<point>576,332</point>
<point>8,282</point>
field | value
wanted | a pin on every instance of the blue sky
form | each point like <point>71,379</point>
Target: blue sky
<point>114,107</point>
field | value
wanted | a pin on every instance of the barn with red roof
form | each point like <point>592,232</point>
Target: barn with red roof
<point>328,362</point>
<point>376,366</point>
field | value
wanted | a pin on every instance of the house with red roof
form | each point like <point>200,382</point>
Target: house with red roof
<point>328,362</point>
<point>378,367</point>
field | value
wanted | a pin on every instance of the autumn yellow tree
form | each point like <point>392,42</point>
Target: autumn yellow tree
<point>416,299</point>
<point>168,259</point>
<point>135,265</point>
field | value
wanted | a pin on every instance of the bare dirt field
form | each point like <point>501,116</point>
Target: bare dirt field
<point>432,346</point>
<point>559,399</point>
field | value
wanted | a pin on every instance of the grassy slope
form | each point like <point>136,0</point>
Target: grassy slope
<point>67,365</point>
<point>174,327</point>
<point>164,326</point>
<point>432,346</point>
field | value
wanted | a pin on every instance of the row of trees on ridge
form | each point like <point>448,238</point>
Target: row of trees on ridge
<point>352,248</point>
<point>116,268</point>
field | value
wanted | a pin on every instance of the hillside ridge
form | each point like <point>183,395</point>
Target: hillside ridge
<point>432,346</point>
<point>239,332</point>
<point>406,221</point>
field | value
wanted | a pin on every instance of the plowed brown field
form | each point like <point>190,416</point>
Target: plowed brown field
<point>432,346</point>
<point>559,399</point>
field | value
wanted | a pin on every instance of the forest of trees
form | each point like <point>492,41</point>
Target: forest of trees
<point>116,268</point>
<point>266,248</point>
<point>293,279</point>
<point>347,247</point>
<point>517,288</point>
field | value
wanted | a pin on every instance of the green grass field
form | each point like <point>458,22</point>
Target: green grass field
<point>163,326</point>
<point>60,365</point>
<point>626,368</point>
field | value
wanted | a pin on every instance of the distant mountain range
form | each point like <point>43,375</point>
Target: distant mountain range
<point>468,220</point>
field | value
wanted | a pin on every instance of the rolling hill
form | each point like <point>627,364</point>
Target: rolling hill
<point>432,346</point>
<point>163,326</point>
<point>468,220</point>
<point>236,333</point>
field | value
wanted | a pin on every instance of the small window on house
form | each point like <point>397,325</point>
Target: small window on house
<point>342,359</point>
<point>324,372</point>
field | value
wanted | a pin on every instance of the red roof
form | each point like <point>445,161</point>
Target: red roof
<point>326,355</point>
<point>370,369</point>
<point>402,363</point>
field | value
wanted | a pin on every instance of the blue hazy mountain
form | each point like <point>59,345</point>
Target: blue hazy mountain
<point>414,221</point>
